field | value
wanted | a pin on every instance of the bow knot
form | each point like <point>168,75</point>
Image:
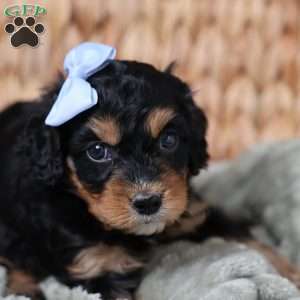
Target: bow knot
<point>76,94</point>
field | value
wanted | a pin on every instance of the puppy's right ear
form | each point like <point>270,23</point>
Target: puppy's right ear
<point>41,148</point>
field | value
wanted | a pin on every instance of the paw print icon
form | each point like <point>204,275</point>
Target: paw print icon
<point>24,31</point>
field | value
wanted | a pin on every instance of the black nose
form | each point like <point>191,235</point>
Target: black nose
<point>147,204</point>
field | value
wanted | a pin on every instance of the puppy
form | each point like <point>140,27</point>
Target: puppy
<point>86,201</point>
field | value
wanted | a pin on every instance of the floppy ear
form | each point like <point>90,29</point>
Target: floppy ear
<point>41,149</point>
<point>198,155</point>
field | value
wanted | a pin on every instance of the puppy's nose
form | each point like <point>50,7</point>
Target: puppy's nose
<point>147,204</point>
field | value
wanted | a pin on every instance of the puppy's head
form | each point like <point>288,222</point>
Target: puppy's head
<point>130,157</point>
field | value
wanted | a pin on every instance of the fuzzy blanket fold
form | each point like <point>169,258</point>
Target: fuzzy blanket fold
<point>214,270</point>
<point>262,184</point>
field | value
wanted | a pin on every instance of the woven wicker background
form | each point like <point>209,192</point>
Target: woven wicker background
<point>242,57</point>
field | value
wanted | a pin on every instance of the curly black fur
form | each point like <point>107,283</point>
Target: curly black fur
<point>43,223</point>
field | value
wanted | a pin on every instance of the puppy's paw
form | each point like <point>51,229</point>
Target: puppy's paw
<point>99,259</point>
<point>23,284</point>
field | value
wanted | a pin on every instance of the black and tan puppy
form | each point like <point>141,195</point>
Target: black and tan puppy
<point>84,201</point>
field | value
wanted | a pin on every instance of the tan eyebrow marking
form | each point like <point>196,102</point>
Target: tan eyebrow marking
<point>157,119</point>
<point>107,130</point>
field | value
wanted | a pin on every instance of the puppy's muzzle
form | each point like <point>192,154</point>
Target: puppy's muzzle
<point>147,203</point>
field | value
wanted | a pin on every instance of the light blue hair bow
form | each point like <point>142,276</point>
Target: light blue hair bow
<point>76,94</point>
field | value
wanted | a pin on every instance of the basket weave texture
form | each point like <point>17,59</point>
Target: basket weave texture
<point>241,57</point>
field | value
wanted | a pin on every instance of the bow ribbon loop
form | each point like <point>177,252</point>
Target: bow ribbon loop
<point>76,94</point>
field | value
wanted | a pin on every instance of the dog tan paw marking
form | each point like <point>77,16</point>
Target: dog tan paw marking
<point>99,259</point>
<point>21,283</point>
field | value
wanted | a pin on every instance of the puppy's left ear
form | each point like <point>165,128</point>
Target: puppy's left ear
<point>40,146</point>
<point>198,156</point>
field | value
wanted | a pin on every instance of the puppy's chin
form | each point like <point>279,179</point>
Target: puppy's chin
<point>148,225</point>
<point>148,228</point>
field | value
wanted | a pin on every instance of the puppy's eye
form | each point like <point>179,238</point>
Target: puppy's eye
<point>168,141</point>
<point>98,153</point>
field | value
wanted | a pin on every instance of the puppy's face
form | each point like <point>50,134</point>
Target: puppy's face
<point>130,157</point>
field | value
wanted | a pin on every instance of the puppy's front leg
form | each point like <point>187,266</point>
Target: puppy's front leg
<point>111,286</point>
<point>20,282</point>
<point>104,269</point>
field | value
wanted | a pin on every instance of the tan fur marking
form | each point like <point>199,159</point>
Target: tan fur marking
<point>157,119</point>
<point>194,216</point>
<point>175,194</point>
<point>106,129</point>
<point>96,260</point>
<point>71,164</point>
<point>112,206</point>
<point>280,263</point>
<point>21,283</point>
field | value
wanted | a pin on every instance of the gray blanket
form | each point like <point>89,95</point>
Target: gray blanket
<point>261,185</point>
<point>215,270</point>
